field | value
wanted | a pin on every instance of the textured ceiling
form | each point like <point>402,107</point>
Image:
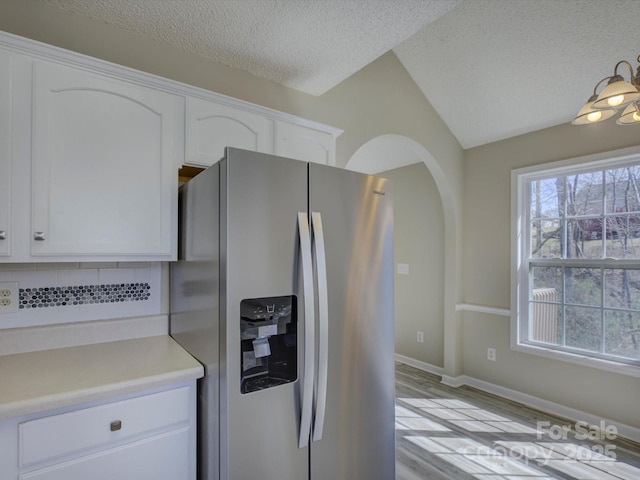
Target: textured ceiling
<point>309,45</point>
<point>494,69</point>
<point>491,68</point>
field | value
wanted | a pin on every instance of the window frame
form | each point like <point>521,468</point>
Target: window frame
<point>520,265</point>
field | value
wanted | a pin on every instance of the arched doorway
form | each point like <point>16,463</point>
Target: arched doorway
<point>394,154</point>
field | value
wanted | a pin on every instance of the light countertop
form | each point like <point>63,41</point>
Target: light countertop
<point>43,380</point>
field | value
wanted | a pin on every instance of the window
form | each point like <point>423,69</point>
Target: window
<point>576,261</point>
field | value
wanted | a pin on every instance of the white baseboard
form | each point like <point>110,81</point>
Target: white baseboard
<point>425,367</point>
<point>572,414</point>
<point>454,382</point>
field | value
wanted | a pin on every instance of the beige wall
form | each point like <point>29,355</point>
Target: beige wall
<point>419,242</point>
<point>487,282</point>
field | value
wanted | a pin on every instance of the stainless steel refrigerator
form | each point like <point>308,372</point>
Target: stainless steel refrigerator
<point>284,292</point>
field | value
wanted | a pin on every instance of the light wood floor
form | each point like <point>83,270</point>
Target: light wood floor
<point>445,433</point>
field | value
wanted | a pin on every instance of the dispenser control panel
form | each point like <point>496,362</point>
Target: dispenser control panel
<point>269,342</point>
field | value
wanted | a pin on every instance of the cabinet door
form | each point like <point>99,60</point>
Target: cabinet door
<point>211,127</point>
<point>303,143</point>
<point>104,179</point>
<point>163,457</point>
<point>6,159</point>
<point>88,428</point>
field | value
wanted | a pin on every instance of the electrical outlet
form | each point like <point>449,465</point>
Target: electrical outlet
<point>9,297</point>
<point>491,354</point>
<point>420,337</point>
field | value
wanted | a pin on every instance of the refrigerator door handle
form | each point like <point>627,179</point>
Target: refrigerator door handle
<point>309,357</point>
<point>323,324</point>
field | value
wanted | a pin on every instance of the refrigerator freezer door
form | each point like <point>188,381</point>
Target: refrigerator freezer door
<point>261,196</point>
<point>358,439</point>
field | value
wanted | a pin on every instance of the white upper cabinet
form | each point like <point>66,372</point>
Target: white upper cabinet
<point>6,230</point>
<point>214,122</point>
<point>90,152</point>
<point>304,143</point>
<point>104,173</point>
<point>212,126</point>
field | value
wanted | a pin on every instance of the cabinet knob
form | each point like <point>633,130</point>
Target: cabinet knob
<point>116,425</point>
<point>39,236</point>
<point>3,235</point>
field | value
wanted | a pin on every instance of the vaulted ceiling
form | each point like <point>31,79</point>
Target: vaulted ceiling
<point>492,69</point>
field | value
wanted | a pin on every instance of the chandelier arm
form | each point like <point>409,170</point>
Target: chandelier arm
<point>615,70</point>
<point>600,83</point>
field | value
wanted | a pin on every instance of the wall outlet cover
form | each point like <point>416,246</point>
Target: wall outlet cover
<point>9,297</point>
<point>491,354</point>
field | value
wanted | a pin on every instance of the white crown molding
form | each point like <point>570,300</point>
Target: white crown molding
<point>58,55</point>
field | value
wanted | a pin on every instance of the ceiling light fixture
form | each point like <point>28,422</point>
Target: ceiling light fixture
<point>617,94</point>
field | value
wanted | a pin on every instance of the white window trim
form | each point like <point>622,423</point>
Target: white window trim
<point>519,297</point>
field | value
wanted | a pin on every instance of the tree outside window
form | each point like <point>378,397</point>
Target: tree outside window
<point>579,259</point>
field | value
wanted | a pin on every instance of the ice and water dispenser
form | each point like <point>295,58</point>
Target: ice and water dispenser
<point>268,339</point>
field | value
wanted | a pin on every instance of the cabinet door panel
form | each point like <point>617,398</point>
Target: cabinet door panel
<point>303,143</point>
<point>163,457</point>
<point>6,159</point>
<point>103,173</point>
<point>211,127</point>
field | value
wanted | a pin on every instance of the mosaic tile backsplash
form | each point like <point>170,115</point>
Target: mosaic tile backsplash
<point>65,293</point>
<point>83,295</point>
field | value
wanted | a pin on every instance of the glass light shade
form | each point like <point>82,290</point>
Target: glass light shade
<point>617,94</point>
<point>588,114</point>
<point>630,115</point>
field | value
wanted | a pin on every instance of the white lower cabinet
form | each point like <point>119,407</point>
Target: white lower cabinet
<point>145,437</point>
<point>162,457</point>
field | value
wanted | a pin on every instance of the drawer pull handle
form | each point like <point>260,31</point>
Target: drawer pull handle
<point>116,425</point>
<point>39,236</point>
<point>3,235</point>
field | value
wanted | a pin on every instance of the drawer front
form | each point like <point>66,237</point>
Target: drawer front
<point>163,457</point>
<point>67,433</point>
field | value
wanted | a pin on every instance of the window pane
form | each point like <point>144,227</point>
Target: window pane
<point>622,289</point>
<point>545,239</point>
<point>623,193</point>
<point>581,242</point>
<point>584,194</point>
<point>546,195</point>
<point>623,236</point>
<point>583,286</point>
<point>547,284</point>
<point>622,336</point>
<point>579,225</point>
<point>583,328</point>
<point>545,322</point>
